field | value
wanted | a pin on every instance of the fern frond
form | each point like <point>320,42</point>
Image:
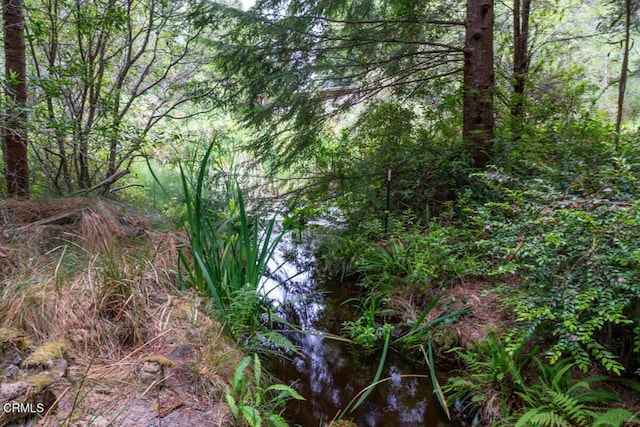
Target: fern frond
<point>613,418</point>
<point>542,417</point>
<point>568,407</point>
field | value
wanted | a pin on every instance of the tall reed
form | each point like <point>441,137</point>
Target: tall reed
<point>227,259</point>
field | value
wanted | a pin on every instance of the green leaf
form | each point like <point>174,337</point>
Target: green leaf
<point>232,405</point>
<point>524,420</point>
<point>613,418</point>
<point>239,374</point>
<point>286,389</point>
<point>434,378</point>
<point>257,369</point>
<point>252,416</point>
<point>277,420</point>
<point>383,359</point>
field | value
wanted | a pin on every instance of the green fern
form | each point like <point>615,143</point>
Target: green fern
<point>253,403</point>
<point>615,418</point>
<point>560,410</point>
<point>543,418</point>
<point>558,400</point>
<point>490,380</point>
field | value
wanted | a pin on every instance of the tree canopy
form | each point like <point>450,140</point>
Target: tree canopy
<point>291,66</point>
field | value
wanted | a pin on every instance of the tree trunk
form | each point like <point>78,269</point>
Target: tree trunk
<point>622,84</point>
<point>478,121</point>
<point>521,11</point>
<point>15,140</point>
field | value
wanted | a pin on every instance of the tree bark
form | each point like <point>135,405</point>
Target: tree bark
<point>624,69</point>
<point>478,120</point>
<point>15,140</point>
<point>521,11</point>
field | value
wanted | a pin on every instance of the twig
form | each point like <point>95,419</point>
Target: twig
<point>122,187</point>
<point>113,178</point>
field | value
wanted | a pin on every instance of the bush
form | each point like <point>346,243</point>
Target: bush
<point>417,260</point>
<point>227,260</point>
<point>573,264</point>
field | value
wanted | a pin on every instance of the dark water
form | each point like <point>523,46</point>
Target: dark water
<point>329,373</point>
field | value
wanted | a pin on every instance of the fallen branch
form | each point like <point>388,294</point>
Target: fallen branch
<point>513,254</point>
<point>122,187</point>
<point>113,178</point>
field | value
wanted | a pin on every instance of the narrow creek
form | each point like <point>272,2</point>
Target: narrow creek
<point>329,373</point>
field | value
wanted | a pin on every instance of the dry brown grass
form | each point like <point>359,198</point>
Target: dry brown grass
<point>90,275</point>
<point>470,328</point>
<point>93,224</point>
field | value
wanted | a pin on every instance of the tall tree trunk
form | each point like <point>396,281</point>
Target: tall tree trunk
<point>521,11</point>
<point>478,120</point>
<point>15,140</point>
<point>622,84</point>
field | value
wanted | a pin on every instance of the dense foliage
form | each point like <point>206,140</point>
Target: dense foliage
<point>574,265</point>
<point>353,111</point>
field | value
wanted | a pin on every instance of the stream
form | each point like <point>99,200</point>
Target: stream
<point>328,372</point>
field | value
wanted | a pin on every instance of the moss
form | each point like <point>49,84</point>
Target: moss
<point>447,338</point>
<point>39,382</point>
<point>11,336</point>
<point>342,423</point>
<point>46,354</point>
<point>160,360</point>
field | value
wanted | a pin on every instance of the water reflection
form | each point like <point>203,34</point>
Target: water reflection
<point>330,373</point>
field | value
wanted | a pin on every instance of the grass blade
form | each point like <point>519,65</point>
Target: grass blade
<point>376,378</point>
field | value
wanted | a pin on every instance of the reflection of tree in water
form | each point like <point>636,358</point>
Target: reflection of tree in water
<point>329,373</point>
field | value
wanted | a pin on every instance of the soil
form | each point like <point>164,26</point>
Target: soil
<point>487,314</point>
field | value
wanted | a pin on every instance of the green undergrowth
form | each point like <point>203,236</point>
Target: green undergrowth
<point>572,264</point>
<point>226,255</point>
<point>252,401</point>
<point>503,385</point>
<point>562,257</point>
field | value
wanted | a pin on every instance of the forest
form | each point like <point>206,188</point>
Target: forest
<point>320,213</point>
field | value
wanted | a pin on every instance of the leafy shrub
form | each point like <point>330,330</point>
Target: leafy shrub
<point>365,330</point>
<point>575,264</point>
<point>336,254</point>
<point>416,260</point>
<point>385,265</point>
<point>491,378</point>
<point>254,403</point>
<point>503,385</point>
<point>566,152</point>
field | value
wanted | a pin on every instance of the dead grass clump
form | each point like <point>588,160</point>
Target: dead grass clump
<point>119,295</point>
<point>96,278</point>
<point>115,388</point>
<point>88,301</point>
<point>94,224</point>
<point>99,228</point>
<point>26,308</point>
<point>16,212</point>
<point>165,247</point>
<point>9,261</point>
<point>487,315</point>
<point>467,330</point>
